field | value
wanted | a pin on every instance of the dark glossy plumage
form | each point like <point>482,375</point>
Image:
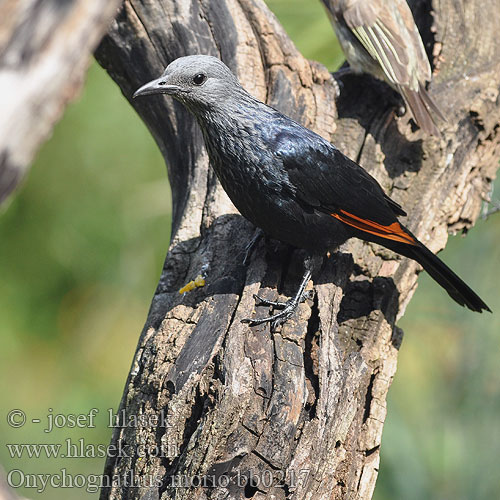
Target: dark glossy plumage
<point>288,180</point>
<point>292,180</point>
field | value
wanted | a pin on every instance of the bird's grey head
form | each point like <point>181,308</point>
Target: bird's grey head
<point>196,81</point>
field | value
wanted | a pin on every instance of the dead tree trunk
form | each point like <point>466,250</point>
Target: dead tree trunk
<point>208,398</point>
<point>45,49</point>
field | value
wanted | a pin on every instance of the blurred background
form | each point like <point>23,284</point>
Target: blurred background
<point>81,250</point>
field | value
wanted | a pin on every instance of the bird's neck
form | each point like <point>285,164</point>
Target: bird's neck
<point>232,111</point>
<point>228,126</point>
<point>233,132</point>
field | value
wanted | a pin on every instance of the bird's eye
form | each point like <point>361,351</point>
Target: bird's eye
<point>199,79</point>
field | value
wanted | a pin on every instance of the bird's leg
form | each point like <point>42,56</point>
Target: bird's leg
<point>290,305</point>
<point>250,247</point>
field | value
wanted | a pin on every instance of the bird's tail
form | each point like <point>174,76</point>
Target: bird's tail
<point>440,272</point>
<point>400,239</point>
<point>424,110</point>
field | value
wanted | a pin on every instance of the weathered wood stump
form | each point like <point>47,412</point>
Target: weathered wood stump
<point>302,407</point>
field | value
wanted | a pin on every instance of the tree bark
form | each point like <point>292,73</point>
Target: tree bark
<point>301,407</point>
<point>45,49</point>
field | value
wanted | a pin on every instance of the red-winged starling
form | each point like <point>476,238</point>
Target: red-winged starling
<point>288,180</point>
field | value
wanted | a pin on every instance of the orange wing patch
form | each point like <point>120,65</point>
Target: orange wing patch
<point>393,232</point>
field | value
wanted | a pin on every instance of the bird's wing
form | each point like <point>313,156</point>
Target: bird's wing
<point>388,35</point>
<point>423,68</point>
<point>320,176</point>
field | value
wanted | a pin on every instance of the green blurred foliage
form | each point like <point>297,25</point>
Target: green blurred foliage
<point>81,249</point>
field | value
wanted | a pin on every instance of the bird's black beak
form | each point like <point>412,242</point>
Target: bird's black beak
<point>158,86</point>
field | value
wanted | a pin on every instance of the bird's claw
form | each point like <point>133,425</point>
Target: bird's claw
<point>260,301</point>
<point>275,319</point>
<point>338,84</point>
<point>337,87</point>
<point>288,308</point>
